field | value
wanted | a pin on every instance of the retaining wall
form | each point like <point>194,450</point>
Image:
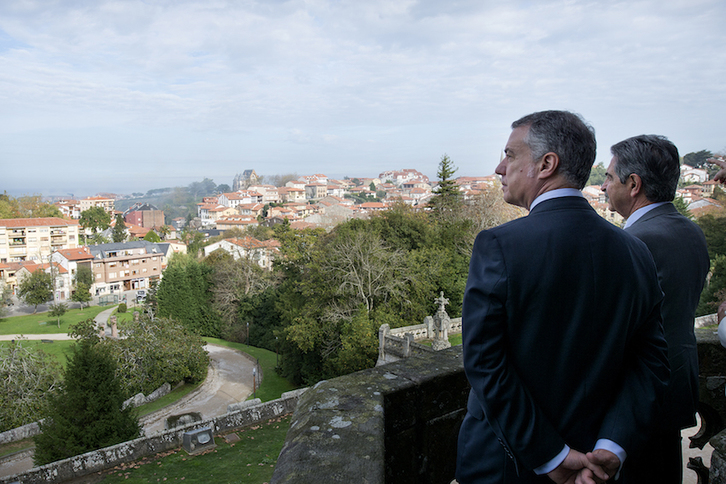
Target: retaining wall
<point>98,460</point>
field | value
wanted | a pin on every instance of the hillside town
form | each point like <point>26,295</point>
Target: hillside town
<point>57,245</point>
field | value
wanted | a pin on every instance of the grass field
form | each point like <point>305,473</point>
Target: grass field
<point>58,349</point>
<point>42,323</point>
<point>250,460</point>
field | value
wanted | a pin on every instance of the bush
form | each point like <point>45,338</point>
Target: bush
<point>122,308</point>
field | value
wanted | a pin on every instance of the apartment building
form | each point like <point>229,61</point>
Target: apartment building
<point>34,239</point>
<point>126,266</point>
<point>106,203</point>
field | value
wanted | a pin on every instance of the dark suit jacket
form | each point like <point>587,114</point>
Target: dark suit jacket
<point>562,336</point>
<point>681,258</point>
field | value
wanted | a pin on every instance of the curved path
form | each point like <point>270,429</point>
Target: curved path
<point>229,380</point>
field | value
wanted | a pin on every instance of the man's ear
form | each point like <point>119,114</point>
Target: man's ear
<point>548,165</point>
<point>635,185</point>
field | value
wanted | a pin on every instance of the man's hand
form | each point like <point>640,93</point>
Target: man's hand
<point>721,311</point>
<point>578,469</point>
<point>721,175</point>
<point>606,460</point>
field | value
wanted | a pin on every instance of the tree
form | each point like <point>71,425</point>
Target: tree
<point>119,229</point>
<point>697,159</point>
<point>57,311</point>
<point>184,295</point>
<point>597,175</point>
<point>164,232</point>
<point>194,240</point>
<point>36,288</point>
<point>83,281</point>
<point>682,207</point>
<point>223,188</point>
<point>27,377</point>
<point>95,219</point>
<point>235,282</point>
<point>152,352</point>
<point>86,414</point>
<point>151,236</point>
<point>447,197</point>
<point>5,300</point>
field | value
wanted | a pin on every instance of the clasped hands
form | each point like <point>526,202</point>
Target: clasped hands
<point>592,468</point>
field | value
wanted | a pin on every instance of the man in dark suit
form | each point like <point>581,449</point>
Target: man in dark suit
<point>641,183</point>
<point>563,342</point>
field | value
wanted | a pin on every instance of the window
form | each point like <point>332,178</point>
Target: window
<point>111,274</point>
<point>98,276</point>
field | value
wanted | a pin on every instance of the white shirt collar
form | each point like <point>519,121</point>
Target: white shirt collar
<point>640,212</point>
<point>557,193</point>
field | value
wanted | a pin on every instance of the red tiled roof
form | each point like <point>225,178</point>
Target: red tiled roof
<point>80,253</point>
<point>35,222</point>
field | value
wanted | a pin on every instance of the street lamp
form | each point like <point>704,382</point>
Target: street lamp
<point>254,382</point>
<point>248,333</point>
<point>277,360</point>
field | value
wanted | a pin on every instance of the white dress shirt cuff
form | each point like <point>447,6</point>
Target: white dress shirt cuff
<point>722,332</point>
<point>607,444</point>
<point>552,465</point>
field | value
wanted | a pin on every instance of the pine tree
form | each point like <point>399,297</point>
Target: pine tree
<point>447,197</point>
<point>86,413</point>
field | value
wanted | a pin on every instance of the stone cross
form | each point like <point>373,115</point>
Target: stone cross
<point>442,323</point>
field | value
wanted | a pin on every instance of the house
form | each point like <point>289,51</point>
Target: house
<point>209,212</point>
<point>270,194</point>
<point>126,266</point>
<point>62,281</point>
<point>35,239</point>
<point>399,177</point>
<point>105,203</point>
<point>290,194</point>
<point>240,197</point>
<point>250,209</point>
<point>245,179</point>
<point>315,191</point>
<point>261,252</point>
<point>690,174</point>
<point>69,208</point>
<point>144,215</point>
<point>72,259</point>
<point>236,221</point>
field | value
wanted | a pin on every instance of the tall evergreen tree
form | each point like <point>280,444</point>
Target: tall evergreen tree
<point>86,413</point>
<point>119,230</point>
<point>447,197</point>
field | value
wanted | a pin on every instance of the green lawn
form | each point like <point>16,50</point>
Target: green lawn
<point>251,460</point>
<point>454,339</point>
<point>273,385</point>
<point>58,349</point>
<point>43,323</point>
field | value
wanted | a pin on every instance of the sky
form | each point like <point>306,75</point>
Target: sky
<point>127,96</point>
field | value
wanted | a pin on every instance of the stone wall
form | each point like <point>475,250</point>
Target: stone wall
<point>393,423</point>
<point>398,423</point>
<point>109,457</point>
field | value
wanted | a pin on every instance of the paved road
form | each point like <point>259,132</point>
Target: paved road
<point>229,380</point>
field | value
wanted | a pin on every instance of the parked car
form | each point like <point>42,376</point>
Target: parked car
<point>140,295</point>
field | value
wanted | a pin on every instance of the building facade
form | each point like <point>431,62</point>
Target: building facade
<point>35,239</point>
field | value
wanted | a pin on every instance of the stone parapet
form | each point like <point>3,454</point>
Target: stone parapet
<point>393,423</point>
<point>399,422</point>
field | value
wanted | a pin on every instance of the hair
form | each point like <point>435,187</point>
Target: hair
<point>565,134</point>
<point>654,159</point>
